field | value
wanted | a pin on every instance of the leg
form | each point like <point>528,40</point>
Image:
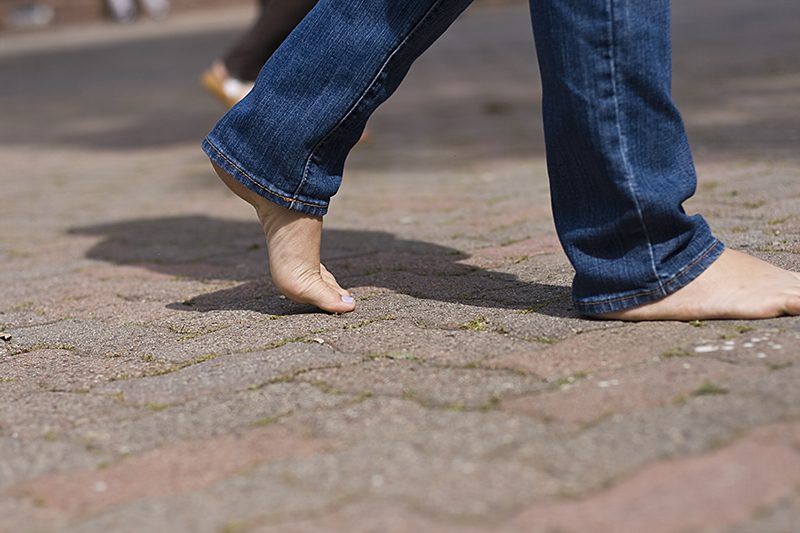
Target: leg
<point>621,168</point>
<point>283,147</point>
<point>231,78</point>
<point>276,19</point>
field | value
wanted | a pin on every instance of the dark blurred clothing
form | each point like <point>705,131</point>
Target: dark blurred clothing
<point>276,20</point>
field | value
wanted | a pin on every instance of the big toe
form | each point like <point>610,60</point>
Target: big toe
<point>313,290</point>
<point>792,305</point>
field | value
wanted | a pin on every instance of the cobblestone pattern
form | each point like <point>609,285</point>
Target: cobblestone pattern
<point>151,379</point>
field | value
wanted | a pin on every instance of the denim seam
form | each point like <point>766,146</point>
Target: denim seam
<point>372,83</point>
<point>671,281</point>
<point>623,142</point>
<point>256,183</point>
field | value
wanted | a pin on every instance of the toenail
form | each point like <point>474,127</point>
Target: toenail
<point>348,299</point>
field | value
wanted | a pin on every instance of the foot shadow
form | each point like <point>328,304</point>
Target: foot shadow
<point>205,248</point>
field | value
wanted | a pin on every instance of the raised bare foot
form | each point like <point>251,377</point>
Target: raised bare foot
<point>735,286</point>
<point>293,242</point>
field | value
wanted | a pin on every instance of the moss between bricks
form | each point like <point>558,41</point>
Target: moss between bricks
<point>675,351</point>
<point>155,406</point>
<point>235,527</point>
<point>569,380</point>
<point>397,355</point>
<point>709,389</point>
<point>265,421</point>
<point>476,324</point>
<point>184,364</point>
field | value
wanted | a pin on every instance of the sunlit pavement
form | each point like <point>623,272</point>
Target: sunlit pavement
<point>151,379</point>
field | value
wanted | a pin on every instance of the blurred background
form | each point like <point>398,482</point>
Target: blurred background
<point>16,14</point>
<point>735,61</point>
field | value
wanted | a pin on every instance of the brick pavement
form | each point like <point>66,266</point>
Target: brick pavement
<point>154,381</point>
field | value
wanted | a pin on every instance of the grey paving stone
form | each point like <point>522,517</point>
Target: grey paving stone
<point>779,519</point>
<point>156,424</point>
<point>453,388</point>
<point>215,375</point>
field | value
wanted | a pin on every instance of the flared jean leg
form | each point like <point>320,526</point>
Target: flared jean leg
<point>618,158</point>
<point>288,139</point>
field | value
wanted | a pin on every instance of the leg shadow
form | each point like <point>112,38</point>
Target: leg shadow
<point>205,248</point>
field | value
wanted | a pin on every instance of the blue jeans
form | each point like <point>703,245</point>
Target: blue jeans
<point>618,158</point>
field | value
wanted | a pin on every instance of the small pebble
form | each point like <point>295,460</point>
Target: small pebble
<point>777,347</point>
<point>761,355</point>
<point>319,340</point>
<point>5,337</point>
<point>748,345</point>
<point>727,348</point>
<point>687,366</point>
<point>730,343</point>
<point>706,348</point>
<point>100,486</point>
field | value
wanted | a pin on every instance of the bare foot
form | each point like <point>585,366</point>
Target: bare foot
<point>293,242</point>
<point>735,286</point>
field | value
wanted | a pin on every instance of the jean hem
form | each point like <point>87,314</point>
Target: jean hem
<point>624,301</point>
<point>260,186</point>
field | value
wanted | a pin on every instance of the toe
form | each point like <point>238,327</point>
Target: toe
<point>792,306</point>
<point>329,278</point>
<point>312,289</point>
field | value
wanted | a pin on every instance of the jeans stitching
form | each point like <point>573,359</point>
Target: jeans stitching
<point>610,6</point>
<point>672,280</point>
<point>257,184</point>
<point>363,95</point>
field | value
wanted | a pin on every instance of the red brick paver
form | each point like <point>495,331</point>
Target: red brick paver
<point>707,492</point>
<point>175,469</point>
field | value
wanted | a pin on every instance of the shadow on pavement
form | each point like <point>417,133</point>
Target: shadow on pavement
<point>205,248</point>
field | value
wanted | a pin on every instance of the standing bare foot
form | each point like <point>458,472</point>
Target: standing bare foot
<point>735,286</point>
<point>293,242</point>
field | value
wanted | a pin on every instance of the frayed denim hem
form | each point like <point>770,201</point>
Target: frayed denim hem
<point>621,302</point>
<point>261,187</point>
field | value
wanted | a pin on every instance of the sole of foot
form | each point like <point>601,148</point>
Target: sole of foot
<point>735,286</point>
<point>293,244</point>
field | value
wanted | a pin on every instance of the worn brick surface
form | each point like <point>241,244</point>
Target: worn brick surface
<point>154,380</point>
<point>183,467</point>
<point>582,399</point>
<point>708,492</point>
